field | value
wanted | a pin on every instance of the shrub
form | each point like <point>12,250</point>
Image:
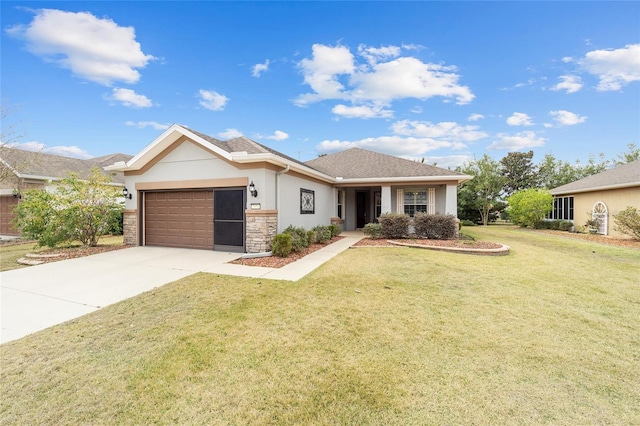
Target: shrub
<point>565,225</point>
<point>435,226</point>
<point>528,206</point>
<point>372,230</point>
<point>299,238</point>
<point>394,225</point>
<point>322,234</point>
<point>335,230</point>
<point>556,225</point>
<point>281,245</point>
<point>628,222</point>
<point>467,222</point>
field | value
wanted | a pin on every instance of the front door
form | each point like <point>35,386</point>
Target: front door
<point>228,219</point>
<point>361,209</point>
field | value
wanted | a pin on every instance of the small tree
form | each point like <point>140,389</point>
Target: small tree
<point>79,210</point>
<point>628,222</point>
<point>529,206</point>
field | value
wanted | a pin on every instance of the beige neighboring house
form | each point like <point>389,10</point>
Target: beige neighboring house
<point>599,196</point>
<point>24,170</point>
<point>194,191</point>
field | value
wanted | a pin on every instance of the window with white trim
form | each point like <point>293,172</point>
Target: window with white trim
<point>414,202</point>
<point>340,204</point>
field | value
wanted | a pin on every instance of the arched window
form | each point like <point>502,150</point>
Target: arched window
<point>599,213</point>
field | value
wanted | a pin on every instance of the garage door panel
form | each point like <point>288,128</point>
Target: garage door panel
<point>179,219</point>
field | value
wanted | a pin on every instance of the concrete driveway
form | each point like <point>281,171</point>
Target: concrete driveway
<point>40,296</point>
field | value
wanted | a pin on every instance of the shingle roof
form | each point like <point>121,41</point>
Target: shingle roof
<point>627,175</point>
<point>48,166</point>
<point>360,163</point>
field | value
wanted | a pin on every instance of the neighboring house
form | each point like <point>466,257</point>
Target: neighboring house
<point>599,196</point>
<point>22,170</point>
<point>191,190</point>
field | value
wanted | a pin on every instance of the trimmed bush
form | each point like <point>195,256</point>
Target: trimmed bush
<point>435,226</point>
<point>322,234</point>
<point>372,230</point>
<point>565,225</point>
<point>394,225</point>
<point>335,230</point>
<point>281,245</point>
<point>467,222</point>
<point>299,238</point>
<point>628,222</point>
<point>556,225</point>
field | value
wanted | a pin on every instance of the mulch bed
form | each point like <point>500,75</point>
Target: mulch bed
<point>279,262</point>
<point>597,238</point>
<point>467,244</point>
<point>74,252</point>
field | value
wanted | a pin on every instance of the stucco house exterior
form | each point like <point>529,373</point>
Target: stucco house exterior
<point>23,170</point>
<point>194,191</point>
<point>599,196</point>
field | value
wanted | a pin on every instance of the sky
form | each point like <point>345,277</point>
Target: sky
<point>446,82</point>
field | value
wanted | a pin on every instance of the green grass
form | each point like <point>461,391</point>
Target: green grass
<point>389,336</point>
<point>10,253</point>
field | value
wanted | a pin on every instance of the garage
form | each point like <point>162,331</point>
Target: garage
<point>211,219</point>
<point>179,219</point>
<point>7,203</point>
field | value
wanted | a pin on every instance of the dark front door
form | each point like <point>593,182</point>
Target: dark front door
<point>228,219</point>
<point>361,209</point>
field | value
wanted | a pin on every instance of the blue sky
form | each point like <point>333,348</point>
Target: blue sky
<point>444,81</point>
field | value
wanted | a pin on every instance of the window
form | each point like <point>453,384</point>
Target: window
<point>378,202</point>
<point>307,201</point>
<point>562,208</point>
<point>414,202</point>
<point>340,203</point>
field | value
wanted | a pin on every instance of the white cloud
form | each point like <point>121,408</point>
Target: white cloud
<point>64,151</point>
<point>278,135</point>
<point>416,109</point>
<point>95,49</point>
<point>448,161</point>
<point>570,83</point>
<point>129,98</point>
<point>447,130</point>
<point>260,68</point>
<point>333,73</point>
<point>144,124</point>
<point>374,55</point>
<point>567,118</point>
<point>517,142</point>
<point>362,111</point>
<point>614,67</point>
<point>212,100</point>
<point>230,134</point>
<point>519,119</point>
<point>475,117</point>
<point>392,145</point>
<point>529,82</point>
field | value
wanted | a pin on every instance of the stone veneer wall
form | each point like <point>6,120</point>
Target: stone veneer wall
<point>261,228</point>
<point>130,227</point>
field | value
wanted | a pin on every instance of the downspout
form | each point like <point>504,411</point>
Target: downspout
<point>281,172</point>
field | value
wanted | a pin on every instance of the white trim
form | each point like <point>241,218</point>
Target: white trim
<point>602,216</point>
<point>598,188</point>
<point>431,200</point>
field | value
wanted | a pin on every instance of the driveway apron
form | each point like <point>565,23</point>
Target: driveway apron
<point>41,296</point>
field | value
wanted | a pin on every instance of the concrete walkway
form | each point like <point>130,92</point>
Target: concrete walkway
<point>39,297</point>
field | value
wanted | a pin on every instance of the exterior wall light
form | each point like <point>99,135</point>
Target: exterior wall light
<point>252,190</point>
<point>16,193</point>
<point>125,193</point>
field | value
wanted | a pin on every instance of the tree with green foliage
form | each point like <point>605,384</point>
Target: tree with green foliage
<point>528,206</point>
<point>483,192</point>
<point>553,173</point>
<point>632,154</point>
<point>519,171</point>
<point>78,210</point>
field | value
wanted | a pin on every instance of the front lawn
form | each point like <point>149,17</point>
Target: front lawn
<point>392,336</point>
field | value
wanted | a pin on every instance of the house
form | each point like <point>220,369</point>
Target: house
<point>191,190</point>
<point>22,170</point>
<point>599,196</point>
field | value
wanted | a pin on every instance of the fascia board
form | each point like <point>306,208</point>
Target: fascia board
<point>597,188</point>
<point>457,179</point>
<point>163,141</point>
